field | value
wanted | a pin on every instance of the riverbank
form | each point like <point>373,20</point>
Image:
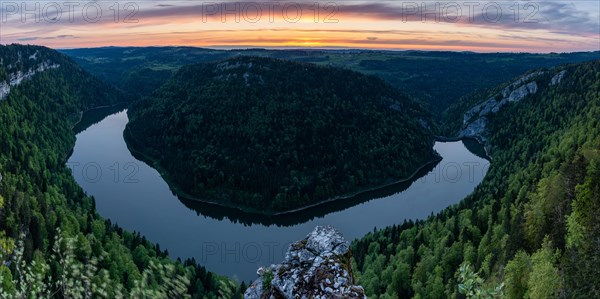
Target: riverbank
<point>154,163</point>
<point>474,138</point>
<point>83,112</point>
<point>187,228</point>
<point>362,191</point>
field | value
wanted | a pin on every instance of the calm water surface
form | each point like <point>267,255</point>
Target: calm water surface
<point>229,242</point>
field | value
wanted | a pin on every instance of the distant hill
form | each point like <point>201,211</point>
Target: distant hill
<point>274,135</point>
<point>437,79</point>
<point>139,71</point>
<point>22,65</point>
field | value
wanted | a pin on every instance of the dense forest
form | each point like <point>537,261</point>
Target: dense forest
<point>437,79</point>
<point>52,241</point>
<point>531,229</point>
<point>275,135</point>
<point>139,71</point>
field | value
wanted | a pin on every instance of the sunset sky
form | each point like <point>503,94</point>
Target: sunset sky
<point>484,26</point>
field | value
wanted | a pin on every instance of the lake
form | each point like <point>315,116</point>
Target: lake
<point>233,243</point>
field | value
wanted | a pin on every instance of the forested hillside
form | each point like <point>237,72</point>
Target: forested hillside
<point>139,71</point>
<point>274,135</point>
<point>52,242</point>
<point>271,135</point>
<point>436,79</point>
<point>531,228</point>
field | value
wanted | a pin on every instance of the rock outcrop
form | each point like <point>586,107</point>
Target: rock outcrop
<point>318,266</point>
<point>557,78</point>
<point>475,120</point>
<point>16,78</point>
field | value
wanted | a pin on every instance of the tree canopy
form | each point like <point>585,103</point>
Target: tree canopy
<point>276,135</point>
<point>530,226</point>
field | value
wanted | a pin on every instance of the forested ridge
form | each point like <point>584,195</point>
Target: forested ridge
<point>52,241</point>
<point>435,78</point>
<point>275,135</point>
<point>531,229</point>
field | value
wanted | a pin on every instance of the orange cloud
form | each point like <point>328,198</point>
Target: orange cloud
<point>384,25</point>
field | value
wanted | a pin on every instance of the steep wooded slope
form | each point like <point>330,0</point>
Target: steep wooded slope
<point>276,135</point>
<point>533,221</point>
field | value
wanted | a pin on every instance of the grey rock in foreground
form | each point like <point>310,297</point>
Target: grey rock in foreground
<point>319,266</point>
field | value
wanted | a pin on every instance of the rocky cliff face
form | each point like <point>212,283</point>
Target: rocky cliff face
<point>14,77</point>
<point>475,120</point>
<point>319,266</point>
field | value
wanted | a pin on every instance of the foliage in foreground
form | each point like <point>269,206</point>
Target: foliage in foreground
<point>471,285</point>
<point>70,278</point>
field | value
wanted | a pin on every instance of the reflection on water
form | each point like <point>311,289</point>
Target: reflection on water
<point>94,116</point>
<point>475,147</point>
<point>305,215</point>
<point>230,242</point>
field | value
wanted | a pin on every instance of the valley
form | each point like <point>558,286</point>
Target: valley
<point>89,197</point>
<point>132,194</point>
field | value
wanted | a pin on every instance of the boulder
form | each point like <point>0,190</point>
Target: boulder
<point>319,266</point>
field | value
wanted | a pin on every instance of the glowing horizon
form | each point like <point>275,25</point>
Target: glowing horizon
<point>553,26</point>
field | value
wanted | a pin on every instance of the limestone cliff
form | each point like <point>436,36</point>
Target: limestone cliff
<point>475,119</point>
<point>319,266</point>
<point>15,76</point>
